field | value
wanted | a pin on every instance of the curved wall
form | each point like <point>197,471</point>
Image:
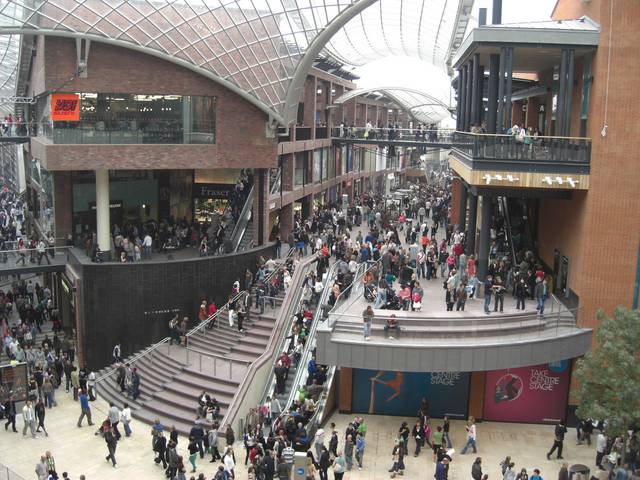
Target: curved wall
<point>133,303</point>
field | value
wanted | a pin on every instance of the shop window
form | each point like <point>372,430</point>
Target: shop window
<point>136,119</point>
<point>300,177</point>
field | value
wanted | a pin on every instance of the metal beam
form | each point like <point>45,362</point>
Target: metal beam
<point>296,85</point>
<point>149,51</point>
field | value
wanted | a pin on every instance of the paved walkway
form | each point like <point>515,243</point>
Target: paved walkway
<point>79,451</point>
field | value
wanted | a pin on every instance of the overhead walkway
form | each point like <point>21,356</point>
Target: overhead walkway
<point>396,137</point>
<point>19,262</point>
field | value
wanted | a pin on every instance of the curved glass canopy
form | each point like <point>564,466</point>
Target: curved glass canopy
<point>261,49</point>
<point>423,107</point>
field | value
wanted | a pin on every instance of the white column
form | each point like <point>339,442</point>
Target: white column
<point>103,220</point>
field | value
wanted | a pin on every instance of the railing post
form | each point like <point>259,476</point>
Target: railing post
<point>200,363</point>
<point>230,365</point>
<point>187,355</point>
<point>215,366</point>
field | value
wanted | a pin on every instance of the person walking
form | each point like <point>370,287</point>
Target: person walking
<point>193,453</point>
<point>41,468</point>
<point>324,462</point>
<point>488,290</point>
<point>558,441</point>
<point>125,418</point>
<point>160,448</point>
<point>360,445</point>
<point>339,466</point>
<point>10,414</point>
<point>348,452</point>
<point>563,473</point>
<point>84,407</point>
<point>112,441</point>
<point>520,291</point>
<point>367,318</point>
<point>540,292</point>
<point>471,436</point>
<point>601,448</point>
<point>29,419</point>
<point>40,413</point>
<point>114,419</point>
<point>445,431</point>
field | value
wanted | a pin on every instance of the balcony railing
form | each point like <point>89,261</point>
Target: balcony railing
<point>303,133</point>
<point>539,149</point>
<point>109,132</point>
<point>321,132</point>
<point>439,135</point>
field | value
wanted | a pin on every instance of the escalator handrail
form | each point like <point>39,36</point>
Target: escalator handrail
<point>243,220</point>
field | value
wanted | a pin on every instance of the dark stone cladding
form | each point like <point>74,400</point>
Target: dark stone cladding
<point>133,303</point>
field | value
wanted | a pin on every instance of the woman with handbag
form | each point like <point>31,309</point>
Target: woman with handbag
<point>339,466</point>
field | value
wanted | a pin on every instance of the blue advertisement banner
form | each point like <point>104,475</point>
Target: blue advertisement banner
<point>400,393</point>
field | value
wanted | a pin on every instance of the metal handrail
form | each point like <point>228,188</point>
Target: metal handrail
<point>267,355</point>
<point>47,248</point>
<point>276,183</point>
<point>271,375</point>
<point>506,135</point>
<point>243,220</point>
<point>216,357</point>
<point>304,358</point>
<point>136,357</point>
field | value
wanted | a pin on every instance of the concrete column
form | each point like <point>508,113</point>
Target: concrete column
<point>471,227</point>
<point>475,84</point>
<point>483,247</point>
<point>260,217</point>
<point>307,206</point>
<point>103,215</point>
<point>462,215</point>
<point>496,12</point>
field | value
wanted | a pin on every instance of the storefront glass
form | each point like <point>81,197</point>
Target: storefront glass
<point>300,177</point>
<point>120,118</point>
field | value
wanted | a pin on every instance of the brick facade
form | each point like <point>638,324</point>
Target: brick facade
<point>240,126</point>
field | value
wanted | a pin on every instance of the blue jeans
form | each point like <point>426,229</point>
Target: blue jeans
<point>367,329</point>
<point>471,442</point>
<point>540,307</point>
<point>381,298</point>
<point>487,302</point>
<point>447,439</point>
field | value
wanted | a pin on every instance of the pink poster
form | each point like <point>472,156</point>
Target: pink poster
<point>535,394</point>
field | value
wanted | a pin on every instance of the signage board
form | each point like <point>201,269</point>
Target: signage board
<point>400,393</point>
<point>219,191</point>
<point>65,107</point>
<point>536,394</point>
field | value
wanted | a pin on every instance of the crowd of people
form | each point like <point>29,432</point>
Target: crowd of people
<point>135,241</point>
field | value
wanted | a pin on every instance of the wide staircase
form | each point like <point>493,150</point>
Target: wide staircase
<point>173,377</point>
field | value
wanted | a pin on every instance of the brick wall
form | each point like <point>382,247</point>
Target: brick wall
<point>240,126</point>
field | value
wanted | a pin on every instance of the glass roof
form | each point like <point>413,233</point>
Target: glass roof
<point>253,47</point>
<point>411,28</point>
<point>423,107</point>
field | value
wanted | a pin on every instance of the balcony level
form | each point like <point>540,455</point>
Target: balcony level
<point>537,162</point>
<point>444,341</point>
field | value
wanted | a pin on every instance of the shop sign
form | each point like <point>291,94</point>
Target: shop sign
<point>536,394</point>
<point>113,204</point>
<point>65,107</point>
<point>218,191</point>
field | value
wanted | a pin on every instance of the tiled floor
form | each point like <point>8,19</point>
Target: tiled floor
<point>78,450</point>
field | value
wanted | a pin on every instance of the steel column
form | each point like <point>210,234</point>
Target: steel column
<point>569,93</point>
<point>468,96</point>
<point>471,227</point>
<point>492,102</point>
<point>462,212</point>
<point>463,99</point>
<point>559,126</point>
<point>483,248</point>
<point>509,86</point>
<point>496,12</point>
<point>459,102</point>
<point>474,88</point>
<point>480,94</point>
<point>500,119</point>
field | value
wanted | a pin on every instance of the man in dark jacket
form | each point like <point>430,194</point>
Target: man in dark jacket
<point>324,462</point>
<point>283,469</point>
<point>476,469</point>
<point>111,440</point>
<point>160,447</point>
<point>558,440</point>
<point>442,469</point>
<point>268,466</point>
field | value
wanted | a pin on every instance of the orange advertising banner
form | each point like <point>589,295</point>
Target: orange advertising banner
<point>65,107</point>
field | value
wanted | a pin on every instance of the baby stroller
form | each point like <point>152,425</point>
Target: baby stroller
<point>370,292</point>
<point>393,301</point>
